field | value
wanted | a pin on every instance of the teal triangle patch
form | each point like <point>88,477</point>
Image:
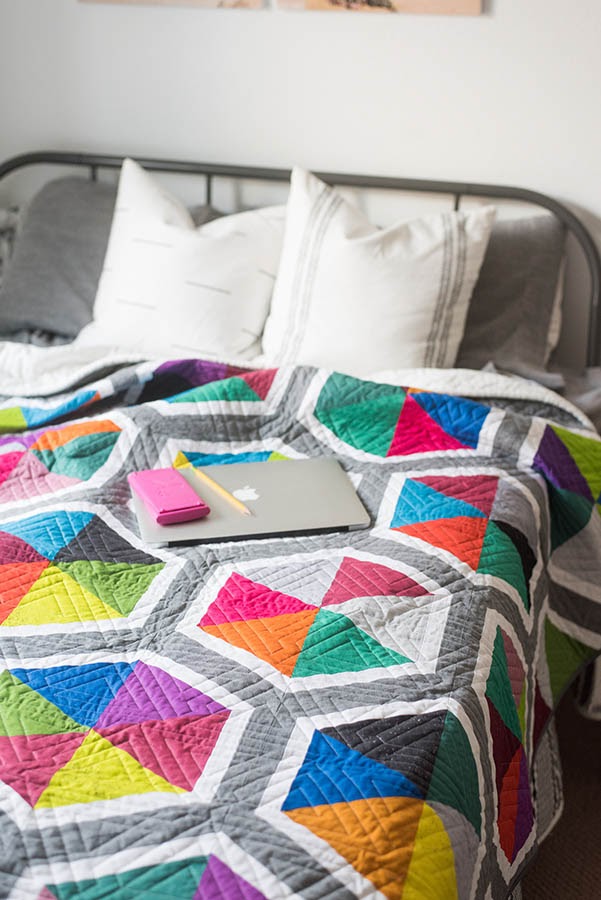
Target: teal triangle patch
<point>454,780</point>
<point>335,644</point>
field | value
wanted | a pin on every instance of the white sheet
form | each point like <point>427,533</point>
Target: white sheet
<point>27,370</point>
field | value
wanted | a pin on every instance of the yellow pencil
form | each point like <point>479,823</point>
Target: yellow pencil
<point>181,462</point>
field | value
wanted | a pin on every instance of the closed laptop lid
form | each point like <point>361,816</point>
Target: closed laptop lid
<point>284,497</point>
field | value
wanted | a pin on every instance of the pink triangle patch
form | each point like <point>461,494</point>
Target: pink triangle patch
<point>359,578</point>
<point>31,478</point>
<point>477,490</point>
<point>260,381</point>
<point>175,749</point>
<point>241,599</point>
<point>417,432</point>
<point>8,461</point>
<point>29,761</point>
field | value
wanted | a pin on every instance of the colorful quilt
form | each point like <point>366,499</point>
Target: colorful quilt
<point>328,716</point>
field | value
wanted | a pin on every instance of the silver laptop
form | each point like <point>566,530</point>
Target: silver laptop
<point>284,497</point>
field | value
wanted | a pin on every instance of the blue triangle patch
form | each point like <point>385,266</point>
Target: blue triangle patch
<point>463,419</point>
<point>420,503</point>
<point>49,532</point>
<point>82,692</point>
<point>333,773</point>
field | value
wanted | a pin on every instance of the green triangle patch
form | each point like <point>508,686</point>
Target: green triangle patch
<point>498,688</point>
<point>570,513</point>
<point>229,389</point>
<point>119,585</point>
<point>335,644</point>
<point>565,657</point>
<point>586,453</point>
<point>454,780</point>
<point>12,419</point>
<point>172,879</point>
<point>81,457</point>
<point>360,413</point>
<point>24,711</point>
<point>501,558</point>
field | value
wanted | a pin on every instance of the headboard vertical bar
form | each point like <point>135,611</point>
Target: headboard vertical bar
<point>209,190</point>
<point>457,202</point>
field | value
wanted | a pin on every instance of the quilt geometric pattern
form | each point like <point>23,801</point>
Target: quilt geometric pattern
<point>571,464</point>
<point>325,633</point>
<point>69,566</point>
<point>362,790</point>
<point>506,699</point>
<point>392,421</point>
<point>457,514</point>
<point>20,418</point>
<point>387,728</point>
<point>78,734</point>
<point>197,878</point>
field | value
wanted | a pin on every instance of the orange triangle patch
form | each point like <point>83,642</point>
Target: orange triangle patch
<point>277,640</point>
<point>58,437</point>
<point>375,836</point>
<point>463,536</point>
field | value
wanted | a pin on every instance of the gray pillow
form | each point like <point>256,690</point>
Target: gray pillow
<point>52,277</point>
<point>51,280</point>
<point>511,309</point>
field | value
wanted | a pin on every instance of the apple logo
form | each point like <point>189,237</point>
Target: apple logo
<point>246,493</point>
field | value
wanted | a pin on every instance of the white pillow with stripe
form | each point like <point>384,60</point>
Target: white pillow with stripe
<point>357,298</point>
<point>171,289</point>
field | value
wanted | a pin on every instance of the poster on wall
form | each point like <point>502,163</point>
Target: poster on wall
<point>207,4</point>
<point>428,7</point>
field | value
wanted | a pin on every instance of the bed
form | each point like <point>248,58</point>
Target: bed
<point>353,714</point>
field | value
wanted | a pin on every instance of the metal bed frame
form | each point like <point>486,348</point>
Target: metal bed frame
<point>93,162</point>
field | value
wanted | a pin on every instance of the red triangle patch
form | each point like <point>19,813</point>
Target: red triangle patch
<point>28,762</point>
<point>15,581</point>
<point>477,490</point>
<point>508,805</point>
<point>260,381</point>
<point>176,749</point>
<point>462,536</point>
<point>417,432</point>
<point>361,578</point>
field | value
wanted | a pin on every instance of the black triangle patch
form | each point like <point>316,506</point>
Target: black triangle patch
<point>99,542</point>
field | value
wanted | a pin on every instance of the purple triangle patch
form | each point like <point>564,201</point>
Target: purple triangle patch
<point>554,460</point>
<point>149,693</point>
<point>218,882</point>
<point>525,814</point>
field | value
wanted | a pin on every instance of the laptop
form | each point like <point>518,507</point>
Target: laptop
<point>284,497</point>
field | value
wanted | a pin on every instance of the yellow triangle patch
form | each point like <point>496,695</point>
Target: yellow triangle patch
<point>56,597</point>
<point>99,771</point>
<point>432,868</point>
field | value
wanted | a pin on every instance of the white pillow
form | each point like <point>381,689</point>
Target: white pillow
<point>170,288</point>
<point>356,298</point>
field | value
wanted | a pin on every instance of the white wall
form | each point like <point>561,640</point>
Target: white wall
<point>511,96</point>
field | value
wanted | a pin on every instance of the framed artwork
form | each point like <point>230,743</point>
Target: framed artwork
<point>441,7</point>
<point>207,4</point>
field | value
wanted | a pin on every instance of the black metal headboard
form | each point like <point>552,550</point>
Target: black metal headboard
<point>456,189</point>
